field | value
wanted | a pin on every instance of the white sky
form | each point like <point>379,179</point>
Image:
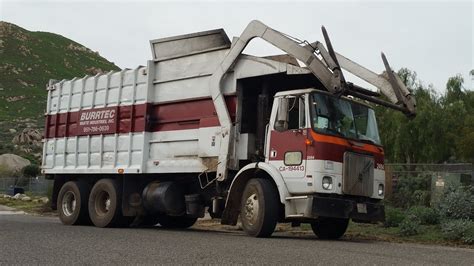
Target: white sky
<point>435,39</point>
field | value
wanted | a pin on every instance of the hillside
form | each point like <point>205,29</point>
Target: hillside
<point>27,61</point>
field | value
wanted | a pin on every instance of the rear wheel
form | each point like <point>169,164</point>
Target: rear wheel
<point>329,228</point>
<point>105,205</point>
<point>259,208</point>
<point>178,222</point>
<point>72,203</point>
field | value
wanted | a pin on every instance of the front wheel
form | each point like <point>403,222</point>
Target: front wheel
<point>259,208</point>
<point>329,228</point>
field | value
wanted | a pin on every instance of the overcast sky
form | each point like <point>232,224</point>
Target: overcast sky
<point>435,39</point>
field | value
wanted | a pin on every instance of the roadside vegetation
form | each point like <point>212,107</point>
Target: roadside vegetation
<point>449,220</point>
<point>36,204</point>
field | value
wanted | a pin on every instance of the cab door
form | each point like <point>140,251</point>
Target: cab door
<point>287,142</point>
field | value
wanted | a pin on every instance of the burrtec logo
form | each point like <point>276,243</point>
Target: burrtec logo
<point>97,115</point>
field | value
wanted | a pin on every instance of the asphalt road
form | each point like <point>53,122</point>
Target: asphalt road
<point>26,239</point>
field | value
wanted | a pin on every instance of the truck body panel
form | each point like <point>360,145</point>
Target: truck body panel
<point>165,120</point>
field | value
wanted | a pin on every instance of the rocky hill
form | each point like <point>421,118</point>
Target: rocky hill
<point>27,61</point>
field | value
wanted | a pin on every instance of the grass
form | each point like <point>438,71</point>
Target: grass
<point>27,206</point>
<point>430,234</point>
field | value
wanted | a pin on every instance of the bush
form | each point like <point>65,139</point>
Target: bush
<point>424,214</point>
<point>468,236</point>
<point>411,190</point>
<point>457,203</point>
<point>31,170</point>
<point>455,229</point>
<point>410,226</point>
<point>393,217</point>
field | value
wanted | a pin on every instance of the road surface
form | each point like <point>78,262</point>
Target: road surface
<point>26,239</point>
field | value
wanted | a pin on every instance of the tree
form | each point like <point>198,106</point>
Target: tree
<point>441,132</point>
<point>409,140</point>
<point>454,89</point>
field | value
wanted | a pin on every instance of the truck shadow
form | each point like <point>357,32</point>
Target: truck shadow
<point>276,235</point>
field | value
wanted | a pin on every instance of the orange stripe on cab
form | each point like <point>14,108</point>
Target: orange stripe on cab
<point>344,142</point>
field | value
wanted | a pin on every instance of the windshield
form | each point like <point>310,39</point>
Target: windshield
<point>338,116</point>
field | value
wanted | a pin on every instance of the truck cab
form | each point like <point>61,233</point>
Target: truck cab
<point>325,144</point>
<point>328,153</point>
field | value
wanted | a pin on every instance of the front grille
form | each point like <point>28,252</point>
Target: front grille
<point>358,174</point>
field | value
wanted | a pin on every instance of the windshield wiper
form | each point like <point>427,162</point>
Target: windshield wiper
<point>335,131</point>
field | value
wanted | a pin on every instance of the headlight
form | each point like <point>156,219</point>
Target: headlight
<point>327,183</point>
<point>381,189</point>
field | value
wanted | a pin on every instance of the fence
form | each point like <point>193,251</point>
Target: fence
<point>438,177</point>
<point>38,186</point>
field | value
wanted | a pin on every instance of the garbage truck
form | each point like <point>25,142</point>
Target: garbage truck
<point>204,127</point>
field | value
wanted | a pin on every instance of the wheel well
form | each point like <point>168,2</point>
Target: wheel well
<point>232,208</point>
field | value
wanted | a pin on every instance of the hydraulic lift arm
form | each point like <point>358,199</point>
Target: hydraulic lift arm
<point>327,70</point>
<point>389,84</point>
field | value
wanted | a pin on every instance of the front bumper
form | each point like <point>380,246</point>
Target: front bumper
<point>347,208</point>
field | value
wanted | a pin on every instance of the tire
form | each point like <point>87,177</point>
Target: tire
<point>176,222</point>
<point>72,203</point>
<point>105,205</point>
<point>329,228</point>
<point>259,208</point>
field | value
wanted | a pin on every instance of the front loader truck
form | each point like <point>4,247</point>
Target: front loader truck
<point>206,128</point>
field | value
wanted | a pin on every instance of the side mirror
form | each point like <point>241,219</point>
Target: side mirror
<point>281,123</point>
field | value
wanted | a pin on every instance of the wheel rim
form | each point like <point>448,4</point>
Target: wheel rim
<point>102,203</point>
<point>69,203</point>
<point>251,209</point>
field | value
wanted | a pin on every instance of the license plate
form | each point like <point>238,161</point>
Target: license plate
<point>361,208</point>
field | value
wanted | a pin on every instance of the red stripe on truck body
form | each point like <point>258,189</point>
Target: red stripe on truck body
<point>137,118</point>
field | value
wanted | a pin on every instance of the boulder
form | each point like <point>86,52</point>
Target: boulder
<point>19,196</point>
<point>26,198</point>
<point>28,136</point>
<point>13,162</point>
<point>44,200</point>
<point>7,196</point>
